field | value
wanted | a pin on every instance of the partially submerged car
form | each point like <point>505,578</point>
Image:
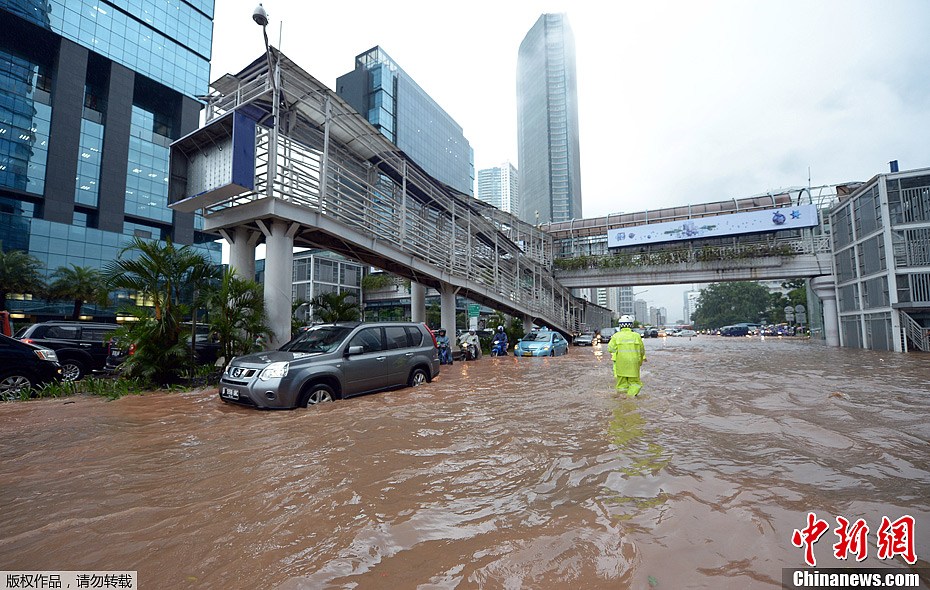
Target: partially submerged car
<point>541,343</point>
<point>586,339</point>
<point>332,361</point>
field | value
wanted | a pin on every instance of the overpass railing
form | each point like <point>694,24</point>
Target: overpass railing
<point>737,250</point>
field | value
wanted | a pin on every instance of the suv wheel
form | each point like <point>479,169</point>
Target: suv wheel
<point>11,385</point>
<point>316,394</point>
<point>71,370</point>
<point>417,377</point>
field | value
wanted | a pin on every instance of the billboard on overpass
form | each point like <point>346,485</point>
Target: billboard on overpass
<point>749,222</point>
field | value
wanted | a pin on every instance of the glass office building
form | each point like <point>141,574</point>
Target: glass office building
<point>404,113</point>
<point>547,123</point>
<point>92,93</point>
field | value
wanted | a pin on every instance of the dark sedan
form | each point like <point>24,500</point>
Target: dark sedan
<point>25,367</point>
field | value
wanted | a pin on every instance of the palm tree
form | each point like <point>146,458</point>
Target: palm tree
<point>335,307</point>
<point>19,273</point>
<point>79,284</point>
<point>237,313</point>
<point>166,276</point>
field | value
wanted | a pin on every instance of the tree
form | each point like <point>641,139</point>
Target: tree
<point>166,276</point>
<point>79,284</point>
<point>797,292</point>
<point>237,313</point>
<point>722,304</point>
<point>335,307</point>
<point>433,316</point>
<point>19,273</point>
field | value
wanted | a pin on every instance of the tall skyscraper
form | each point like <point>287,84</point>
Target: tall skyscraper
<point>547,123</point>
<point>690,304</point>
<point>404,113</point>
<point>641,311</point>
<point>92,93</point>
<point>499,186</point>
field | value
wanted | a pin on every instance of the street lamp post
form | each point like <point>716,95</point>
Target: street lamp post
<point>260,16</point>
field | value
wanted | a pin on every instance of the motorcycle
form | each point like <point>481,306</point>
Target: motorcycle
<point>445,353</point>
<point>470,350</point>
<point>499,348</point>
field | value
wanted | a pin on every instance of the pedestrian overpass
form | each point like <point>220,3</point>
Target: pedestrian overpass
<point>282,160</point>
<point>583,257</point>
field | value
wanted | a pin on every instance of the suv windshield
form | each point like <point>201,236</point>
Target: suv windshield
<point>318,339</point>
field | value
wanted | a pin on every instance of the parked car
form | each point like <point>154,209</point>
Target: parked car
<point>586,339</point>
<point>207,349</point>
<point>332,361</point>
<point>25,366</point>
<point>541,343</point>
<point>81,347</point>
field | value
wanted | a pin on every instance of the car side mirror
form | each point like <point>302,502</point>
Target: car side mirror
<point>355,350</point>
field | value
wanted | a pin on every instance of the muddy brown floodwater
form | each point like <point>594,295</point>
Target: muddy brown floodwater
<point>502,473</point>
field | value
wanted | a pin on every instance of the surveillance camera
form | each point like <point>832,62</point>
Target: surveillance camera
<point>259,15</point>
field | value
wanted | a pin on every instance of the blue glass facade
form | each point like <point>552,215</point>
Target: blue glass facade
<point>168,41</point>
<point>410,118</point>
<point>87,184</point>
<point>99,88</point>
<point>25,117</point>
<point>147,172</point>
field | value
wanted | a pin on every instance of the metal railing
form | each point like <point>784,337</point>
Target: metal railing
<point>915,333</point>
<point>695,253</point>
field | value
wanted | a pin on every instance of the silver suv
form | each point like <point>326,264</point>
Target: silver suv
<point>332,361</point>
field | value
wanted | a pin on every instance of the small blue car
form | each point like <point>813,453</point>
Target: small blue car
<point>541,343</point>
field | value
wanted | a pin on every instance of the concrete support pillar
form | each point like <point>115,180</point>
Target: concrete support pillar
<point>825,288</point>
<point>279,269</point>
<point>447,312</point>
<point>242,252</point>
<point>417,302</point>
<point>527,323</point>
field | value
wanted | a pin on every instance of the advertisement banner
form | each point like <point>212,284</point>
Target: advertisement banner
<point>750,222</point>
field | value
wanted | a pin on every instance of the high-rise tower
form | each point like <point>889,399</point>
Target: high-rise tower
<point>547,123</point>
<point>499,186</point>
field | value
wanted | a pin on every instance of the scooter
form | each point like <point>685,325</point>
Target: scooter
<point>445,353</point>
<point>499,348</point>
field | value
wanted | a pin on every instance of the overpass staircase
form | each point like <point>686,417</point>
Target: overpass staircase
<point>278,146</point>
<point>913,335</point>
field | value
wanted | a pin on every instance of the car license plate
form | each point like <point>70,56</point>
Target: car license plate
<point>229,393</point>
<point>527,354</point>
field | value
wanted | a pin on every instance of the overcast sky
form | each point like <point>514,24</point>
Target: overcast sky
<point>680,102</point>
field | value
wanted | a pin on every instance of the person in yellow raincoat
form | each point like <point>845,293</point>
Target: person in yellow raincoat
<point>628,353</point>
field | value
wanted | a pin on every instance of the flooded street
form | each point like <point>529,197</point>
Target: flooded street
<point>502,473</point>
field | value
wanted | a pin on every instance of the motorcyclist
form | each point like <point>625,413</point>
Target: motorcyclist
<point>499,342</point>
<point>628,353</point>
<point>470,339</point>
<point>443,344</point>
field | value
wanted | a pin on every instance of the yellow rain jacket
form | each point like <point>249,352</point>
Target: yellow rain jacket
<point>627,351</point>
